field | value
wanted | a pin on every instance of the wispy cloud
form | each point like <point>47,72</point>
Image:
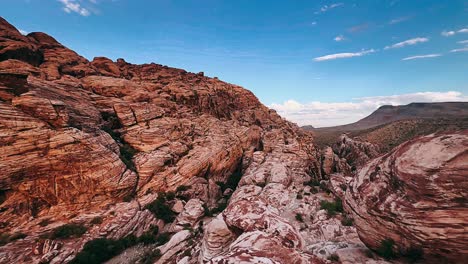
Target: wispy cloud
<point>320,114</point>
<point>446,33</point>
<point>422,56</point>
<point>23,32</point>
<point>399,20</point>
<point>408,42</point>
<point>73,6</point>
<point>339,38</point>
<point>358,28</point>
<point>326,8</point>
<point>460,50</point>
<point>463,42</point>
<point>344,55</point>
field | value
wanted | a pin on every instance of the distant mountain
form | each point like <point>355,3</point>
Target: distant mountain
<point>388,113</point>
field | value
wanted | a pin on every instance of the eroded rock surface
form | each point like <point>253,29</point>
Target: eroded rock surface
<point>415,196</point>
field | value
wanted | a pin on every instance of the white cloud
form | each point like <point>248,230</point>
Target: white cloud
<point>313,23</point>
<point>422,56</point>
<point>447,33</point>
<point>326,8</point>
<point>23,32</point>
<point>72,6</point>
<point>398,20</point>
<point>339,38</point>
<point>453,32</point>
<point>408,42</point>
<point>460,50</point>
<point>344,55</point>
<point>320,114</point>
<point>463,42</point>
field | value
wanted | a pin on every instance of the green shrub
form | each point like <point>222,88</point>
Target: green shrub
<point>347,221</point>
<point>334,258</point>
<point>221,206</point>
<point>163,238</point>
<point>96,220</point>
<point>126,155</point>
<point>6,238</point>
<point>150,256</point>
<point>385,249</point>
<point>414,254</point>
<point>44,222</point>
<point>312,183</point>
<point>150,236</point>
<point>17,236</point>
<point>68,231</point>
<point>160,209</point>
<point>299,218</point>
<point>332,207</point>
<point>98,251</point>
<point>182,188</point>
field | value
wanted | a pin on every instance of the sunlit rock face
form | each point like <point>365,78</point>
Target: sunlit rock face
<point>104,144</point>
<point>415,196</point>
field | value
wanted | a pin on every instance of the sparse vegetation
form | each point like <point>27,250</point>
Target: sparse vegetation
<point>68,231</point>
<point>414,254</point>
<point>6,238</point>
<point>99,250</point>
<point>312,183</point>
<point>385,249</point>
<point>150,256</point>
<point>96,220</point>
<point>299,218</point>
<point>44,222</point>
<point>182,188</point>
<point>347,221</point>
<point>332,208</point>
<point>102,249</point>
<point>334,258</point>
<point>160,209</point>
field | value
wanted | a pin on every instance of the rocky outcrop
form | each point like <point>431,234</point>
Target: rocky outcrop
<point>415,196</point>
<point>81,139</point>
<point>354,151</point>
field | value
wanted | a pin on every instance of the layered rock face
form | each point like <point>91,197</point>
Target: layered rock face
<point>416,197</point>
<point>81,140</point>
<point>103,145</point>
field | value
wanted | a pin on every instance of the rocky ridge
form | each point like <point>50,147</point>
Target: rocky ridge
<point>180,167</point>
<point>85,140</point>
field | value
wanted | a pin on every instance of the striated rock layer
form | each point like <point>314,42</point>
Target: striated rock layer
<point>415,196</point>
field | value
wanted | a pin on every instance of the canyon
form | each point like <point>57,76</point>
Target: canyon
<point>169,166</point>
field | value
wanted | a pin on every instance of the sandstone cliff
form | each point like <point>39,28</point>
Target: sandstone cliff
<point>147,163</point>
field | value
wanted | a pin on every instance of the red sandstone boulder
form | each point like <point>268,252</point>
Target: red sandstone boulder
<point>416,197</point>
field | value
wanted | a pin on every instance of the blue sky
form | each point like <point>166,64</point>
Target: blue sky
<point>316,62</point>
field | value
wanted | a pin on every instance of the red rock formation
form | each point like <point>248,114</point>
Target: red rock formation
<point>416,196</point>
<point>78,137</point>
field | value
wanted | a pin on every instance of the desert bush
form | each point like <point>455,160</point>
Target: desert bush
<point>385,249</point>
<point>96,220</point>
<point>6,238</point>
<point>44,222</point>
<point>68,231</point>
<point>332,208</point>
<point>334,258</point>
<point>160,209</point>
<point>299,218</point>
<point>150,256</point>
<point>99,250</point>
<point>347,221</point>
